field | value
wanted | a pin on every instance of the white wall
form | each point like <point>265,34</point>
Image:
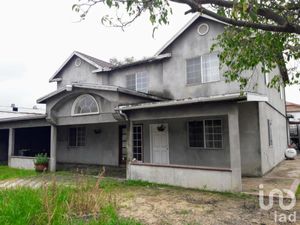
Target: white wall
<point>22,162</point>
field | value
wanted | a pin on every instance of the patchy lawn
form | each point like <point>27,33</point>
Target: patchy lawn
<point>8,173</point>
<point>110,201</point>
<point>159,204</point>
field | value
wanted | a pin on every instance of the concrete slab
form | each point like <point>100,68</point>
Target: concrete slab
<point>285,176</point>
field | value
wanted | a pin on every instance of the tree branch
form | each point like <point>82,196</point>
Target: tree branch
<point>282,24</point>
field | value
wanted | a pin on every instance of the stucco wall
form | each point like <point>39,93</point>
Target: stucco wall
<point>190,44</point>
<point>101,148</point>
<point>81,74</point>
<point>154,70</point>
<point>191,178</point>
<point>59,108</point>
<point>22,162</point>
<point>179,151</point>
<point>249,139</point>
<point>271,155</point>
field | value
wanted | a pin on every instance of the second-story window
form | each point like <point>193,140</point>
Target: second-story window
<point>138,81</point>
<point>203,69</point>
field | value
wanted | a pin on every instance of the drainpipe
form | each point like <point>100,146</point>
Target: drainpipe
<point>123,114</point>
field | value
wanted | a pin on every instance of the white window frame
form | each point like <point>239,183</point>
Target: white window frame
<point>77,137</point>
<point>204,135</point>
<point>84,114</point>
<point>136,81</point>
<point>142,142</point>
<point>201,70</point>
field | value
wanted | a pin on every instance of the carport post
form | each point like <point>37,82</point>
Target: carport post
<point>129,150</point>
<point>53,142</point>
<point>11,144</point>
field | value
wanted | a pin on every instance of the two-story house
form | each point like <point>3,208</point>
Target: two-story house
<point>170,118</point>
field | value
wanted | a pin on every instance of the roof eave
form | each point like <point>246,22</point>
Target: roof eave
<point>248,97</point>
<point>21,118</point>
<point>103,88</point>
<point>144,61</point>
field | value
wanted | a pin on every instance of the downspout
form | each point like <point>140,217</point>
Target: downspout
<point>123,114</point>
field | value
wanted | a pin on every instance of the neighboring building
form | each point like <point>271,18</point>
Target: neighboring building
<point>293,111</point>
<point>172,117</point>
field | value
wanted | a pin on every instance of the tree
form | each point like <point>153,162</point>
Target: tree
<point>261,34</point>
<point>117,62</point>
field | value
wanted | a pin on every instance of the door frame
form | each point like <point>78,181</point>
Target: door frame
<point>121,162</point>
<point>151,138</point>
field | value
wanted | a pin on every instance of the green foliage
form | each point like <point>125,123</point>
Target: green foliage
<point>8,173</point>
<point>41,158</point>
<point>298,193</point>
<point>117,62</point>
<point>247,49</point>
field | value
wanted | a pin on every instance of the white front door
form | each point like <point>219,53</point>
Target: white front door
<point>159,143</point>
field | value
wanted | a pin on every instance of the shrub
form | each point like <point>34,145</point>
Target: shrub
<point>41,158</point>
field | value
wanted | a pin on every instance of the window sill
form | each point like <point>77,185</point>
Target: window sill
<point>206,149</point>
<point>201,83</point>
<point>86,114</point>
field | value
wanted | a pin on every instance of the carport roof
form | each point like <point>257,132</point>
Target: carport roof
<point>101,88</point>
<point>23,117</point>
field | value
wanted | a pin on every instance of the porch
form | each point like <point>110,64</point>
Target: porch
<point>195,146</point>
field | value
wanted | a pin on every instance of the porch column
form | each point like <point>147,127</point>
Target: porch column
<point>11,144</point>
<point>129,150</point>
<point>53,141</point>
<point>235,152</point>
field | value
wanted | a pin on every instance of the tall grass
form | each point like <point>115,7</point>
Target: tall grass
<point>82,203</point>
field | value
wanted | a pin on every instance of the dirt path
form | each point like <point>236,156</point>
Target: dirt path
<point>180,206</point>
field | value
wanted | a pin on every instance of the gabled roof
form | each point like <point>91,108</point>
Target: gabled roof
<point>97,63</point>
<point>100,88</point>
<point>198,15</point>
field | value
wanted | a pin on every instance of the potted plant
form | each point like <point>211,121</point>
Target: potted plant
<point>41,162</point>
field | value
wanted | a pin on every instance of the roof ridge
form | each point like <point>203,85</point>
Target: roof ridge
<point>94,59</point>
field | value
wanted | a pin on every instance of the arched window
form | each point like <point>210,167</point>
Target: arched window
<point>85,104</point>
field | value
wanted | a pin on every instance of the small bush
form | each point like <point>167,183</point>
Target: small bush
<point>41,158</point>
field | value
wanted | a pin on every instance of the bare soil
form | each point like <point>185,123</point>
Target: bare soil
<point>168,205</point>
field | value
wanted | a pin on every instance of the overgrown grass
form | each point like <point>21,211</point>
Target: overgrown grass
<point>7,173</point>
<point>298,193</point>
<point>84,202</point>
